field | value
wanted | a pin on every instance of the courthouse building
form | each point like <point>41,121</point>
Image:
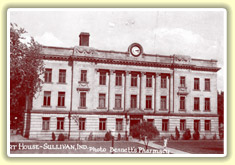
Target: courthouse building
<point>90,90</point>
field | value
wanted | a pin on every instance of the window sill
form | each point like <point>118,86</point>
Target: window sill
<point>207,91</point>
<point>207,111</point>
<point>196,90</point>
<point>48,83</point>
<point>61,83</point>
<point>102,85</point>
<point>102,108</point>
<point>119,86</point>
<point>118,109</point>
<point>182,110</point>
<point>148,109</point>
<point>163,109</point>
<point>60,106</point>
<point>86,82</point>
<point>196,110</point>
<point>46,106</point>
<point>82,107</point>
<point>46,130</point>
<point>149,87</point>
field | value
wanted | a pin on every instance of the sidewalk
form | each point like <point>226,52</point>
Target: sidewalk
<point>152,144</point>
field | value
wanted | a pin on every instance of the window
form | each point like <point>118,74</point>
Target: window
<point>47,98</point>
<point>101,100</point>
<point>163,102</point>
<point>102,124</point>
<point>207,125</point>
<point>165,123</point>
<point>196,103</point>
<point>182,125</point>
<point>62,76</point>
<point>163,81</point>
<point>82,122</point>
<point>182,103</point>
<point>182,81</point>
<point>60,123</point>
<point>84,75</point>
<point>48,75</point>
<point>149,81</point>
<point>133,101</point>
<point>148,102</point>
<point>151,121</point>
<point>61,99</point>
<point>83,99</point>
<point>196,84</point>
<point>207,84</point>
<point>196,125</point>
<point>118,124</point>
<point>207,104</point>
<point>118,79</point>
<point>134,80</point>
<point>118,101</point>
<point>45,123</point>
<point>102,78</point>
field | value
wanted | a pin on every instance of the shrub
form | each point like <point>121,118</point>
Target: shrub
<point>119,137</point>
<point>53,136</point>
<point>187,134</point>
<point>196,135</point>
<point>204,137</point>
<point>108,136</point>
<point>172,137</point>
<point>177,134</point>
<point>61,137</point>
<point>90,137</point>
<point>214,137</point>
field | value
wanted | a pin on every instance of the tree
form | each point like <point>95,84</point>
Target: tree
<point>187,134</point>
<point>177,134</point>
<point>221,113</point>
<point>145,131</point>
<point>26,66</point>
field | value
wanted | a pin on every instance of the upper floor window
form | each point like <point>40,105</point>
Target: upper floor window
<point>196,125</point>
<point>102,78</point>
<point>207,84</point>
<point>163,102</point>
<point>134,80</point>
<point>148,80</point>
<point>133,101</point>
<point>148,102</point>
<point>47,98</point>
<point>182,103</point>
<point>165,123</point>
<point>118,101</point>
<point>182,125</point>
<point>119,124</point>
<point>60,123</point>
<point>62,76</point>
<point>163,81</point>
<point>84,75</point>
<point>82,122</point>
<point>118,79</point>
<point>48,75</point>
<point>207,104</point>
<point>182,81</point>
<point>102,124</point>
<point>102,100</point>
<point>196,84</point>
<point>207,125</point>
<point>83,99</point>
<point>196,103</point>
<point>45,123</point>
<point>61,99</point>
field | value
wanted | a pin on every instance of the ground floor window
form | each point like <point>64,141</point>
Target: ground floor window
<point>45,123</point>
<point>196,125</point>
<point>60,123</point>
<point>82,122</point>
<point>207,125</point>
<point>119,124</point>
<point>182,125</point>
<point>102,124</point>
<point>165,123</point>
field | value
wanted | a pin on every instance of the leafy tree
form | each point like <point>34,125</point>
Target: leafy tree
<point>26,66</point>
<point>196,135</point>
<point>177,134</point>
<point>145,131</point>
<point>187,134</point>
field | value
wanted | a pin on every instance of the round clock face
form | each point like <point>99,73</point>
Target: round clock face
<point>135,50</point>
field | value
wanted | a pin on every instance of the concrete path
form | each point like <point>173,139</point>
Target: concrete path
<point>157,146</point>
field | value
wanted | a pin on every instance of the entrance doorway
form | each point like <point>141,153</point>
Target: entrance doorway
<point>134,121</point>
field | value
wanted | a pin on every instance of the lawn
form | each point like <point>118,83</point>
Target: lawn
<point>68,147</point>
<point>197,147</point>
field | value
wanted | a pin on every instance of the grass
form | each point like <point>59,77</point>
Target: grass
<point>197,146</point>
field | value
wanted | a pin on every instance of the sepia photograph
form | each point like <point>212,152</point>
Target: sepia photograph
<point>117,82</point>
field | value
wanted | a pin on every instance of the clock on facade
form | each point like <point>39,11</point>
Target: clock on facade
<point>135,49</point>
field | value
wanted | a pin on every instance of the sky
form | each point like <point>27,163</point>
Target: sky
<point>196,33</point>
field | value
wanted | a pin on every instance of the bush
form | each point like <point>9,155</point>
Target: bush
<point>53,136</point>
<point>172,137</point>
<point>90,137</point>
<point>119,137</point>
<point>187,134</point>
<point>177,134</point>
<point>196,135</point>
<point>214,137</point>
<point>108,136</point>
<point>61,137</point>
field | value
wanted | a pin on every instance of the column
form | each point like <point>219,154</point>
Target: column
<point>127,93</point>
